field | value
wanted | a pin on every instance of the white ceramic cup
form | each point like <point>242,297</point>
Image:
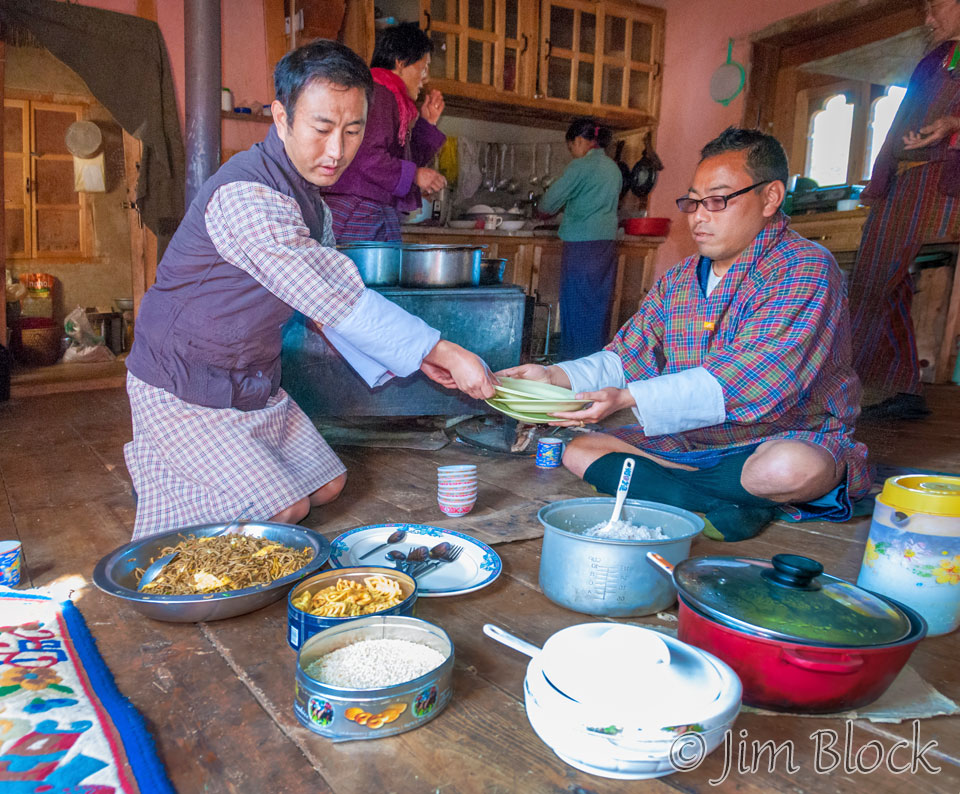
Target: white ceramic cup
<point>492,221</point>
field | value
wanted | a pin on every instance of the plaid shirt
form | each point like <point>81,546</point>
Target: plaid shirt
<point>775,333</point>
<point>261,231</point>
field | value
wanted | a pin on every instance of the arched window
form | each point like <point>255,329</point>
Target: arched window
<point>828,141</point>
<point>882,112</point>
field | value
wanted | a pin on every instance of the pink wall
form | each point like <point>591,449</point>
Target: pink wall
<point>696,43</point>
<point>243,63</point>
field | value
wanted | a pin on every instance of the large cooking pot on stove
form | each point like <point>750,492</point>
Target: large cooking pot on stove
<point>799,639</point>
<point>378,262</point>
<point>440,265</point>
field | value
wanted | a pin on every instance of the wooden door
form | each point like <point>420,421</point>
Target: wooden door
<point>16,178</point>
<point>143,242</point>
<point>57,206</point>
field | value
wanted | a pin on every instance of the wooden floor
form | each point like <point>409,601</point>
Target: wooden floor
<point>218,696</point>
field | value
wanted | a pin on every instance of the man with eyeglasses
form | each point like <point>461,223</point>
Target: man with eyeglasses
<point>914,198</point>
<point>737,364</point>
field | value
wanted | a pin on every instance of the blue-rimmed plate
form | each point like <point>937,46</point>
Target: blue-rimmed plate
<point>477,566</point>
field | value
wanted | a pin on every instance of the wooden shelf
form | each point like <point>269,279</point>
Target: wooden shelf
<point>233,116</point>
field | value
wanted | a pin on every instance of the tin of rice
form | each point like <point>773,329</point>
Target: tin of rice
<point>371,664</point>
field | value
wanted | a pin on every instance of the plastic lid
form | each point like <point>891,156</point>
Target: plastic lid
<point>630,670</point>
<point>923,493</point>
<point>789,598</point>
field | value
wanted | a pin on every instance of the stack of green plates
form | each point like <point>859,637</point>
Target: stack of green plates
<point>532,402</point>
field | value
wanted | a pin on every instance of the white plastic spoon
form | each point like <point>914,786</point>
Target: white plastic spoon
<point>626,474</point>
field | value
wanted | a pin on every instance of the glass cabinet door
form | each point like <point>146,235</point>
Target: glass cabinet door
<point>481,43</point>
<point>600,53</point>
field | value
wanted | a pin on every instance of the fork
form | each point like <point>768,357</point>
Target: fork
<point>451,556</point>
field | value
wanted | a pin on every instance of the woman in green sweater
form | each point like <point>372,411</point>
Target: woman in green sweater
<point>588,192</point>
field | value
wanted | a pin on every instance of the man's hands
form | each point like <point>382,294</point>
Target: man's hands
<point>455,367</point>
<point>553,375</point>
<point>430,181</point>
<point>432,107</point>
<point>933,133</point>
<point>605,402</point>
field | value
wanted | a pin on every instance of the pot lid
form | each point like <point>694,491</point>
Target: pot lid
<point>789,598</point>
<point>630,670</point>
<point>923,493</point>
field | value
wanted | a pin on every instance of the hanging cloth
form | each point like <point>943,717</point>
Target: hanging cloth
<point>396,86</point>
<point>124,62</point>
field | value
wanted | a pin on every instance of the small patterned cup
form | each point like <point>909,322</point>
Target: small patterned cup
<point>10,555</point>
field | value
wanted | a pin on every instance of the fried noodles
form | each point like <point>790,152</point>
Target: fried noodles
<point>349,598</point>
<point>222,564</point>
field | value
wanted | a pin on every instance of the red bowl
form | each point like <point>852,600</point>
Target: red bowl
<point>650,227</point>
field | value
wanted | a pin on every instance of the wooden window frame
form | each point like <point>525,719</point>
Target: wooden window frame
<point>810,100</point>
<point>772,102</point>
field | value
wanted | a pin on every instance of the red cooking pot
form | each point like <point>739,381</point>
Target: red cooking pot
<point>799,639</point>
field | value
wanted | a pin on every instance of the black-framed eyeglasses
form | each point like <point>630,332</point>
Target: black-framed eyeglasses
<point>713,203</point>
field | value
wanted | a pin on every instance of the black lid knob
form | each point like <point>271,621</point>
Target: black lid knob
<point>793,571</point>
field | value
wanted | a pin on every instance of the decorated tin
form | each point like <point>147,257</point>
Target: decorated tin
<point>341,714</point>
<point>10,553</point>
<point>302,625</point>
<point>913,550</point>
<point>549,453</point>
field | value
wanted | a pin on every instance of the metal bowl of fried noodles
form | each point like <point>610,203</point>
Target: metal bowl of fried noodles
<point>115,574</point>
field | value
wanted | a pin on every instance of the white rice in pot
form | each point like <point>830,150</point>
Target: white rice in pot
<point>372,664</point>
<point>624,530</point>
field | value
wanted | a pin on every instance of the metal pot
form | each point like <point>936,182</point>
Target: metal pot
<point>800,640</point>
<point>603,576</point>
<point>491,271</point>
<point>378,262</point>
<point>428,265</point>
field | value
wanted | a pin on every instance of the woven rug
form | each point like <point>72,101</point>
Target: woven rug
<point>64,726</point>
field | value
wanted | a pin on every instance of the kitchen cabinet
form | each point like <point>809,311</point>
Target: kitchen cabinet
<point>601,55</point>
<point>838,232</point>
<point>482,50</point>
<point>549,59</point>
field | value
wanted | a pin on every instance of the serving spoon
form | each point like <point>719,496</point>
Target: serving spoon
<point>153,570</point>
<point>626,474</point>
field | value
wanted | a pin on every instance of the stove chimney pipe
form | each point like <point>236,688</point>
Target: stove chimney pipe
<point>202,100</point>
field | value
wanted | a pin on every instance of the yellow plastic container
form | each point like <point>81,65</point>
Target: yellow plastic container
<point>913,550</point>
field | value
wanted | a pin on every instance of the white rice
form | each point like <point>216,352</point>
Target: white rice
<point>371,664</point>
<point>624,530</point>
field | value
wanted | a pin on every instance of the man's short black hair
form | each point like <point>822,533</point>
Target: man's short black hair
<point>405,43</point>
<point>322,60</point>
<point>766,159</point>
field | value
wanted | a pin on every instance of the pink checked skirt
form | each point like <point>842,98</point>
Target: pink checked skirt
<point>194,465</point>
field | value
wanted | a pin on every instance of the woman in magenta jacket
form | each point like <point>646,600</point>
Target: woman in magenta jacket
<point>389,173</point>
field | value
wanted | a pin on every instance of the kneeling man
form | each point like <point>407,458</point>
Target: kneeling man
<point>736,366</point>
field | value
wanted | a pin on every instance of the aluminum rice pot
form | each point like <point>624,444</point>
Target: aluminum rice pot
<point>780,670</point>
<point>378,262</point>
<point>301,625</point>
<point>601,576</point>
<point>324,709</point>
